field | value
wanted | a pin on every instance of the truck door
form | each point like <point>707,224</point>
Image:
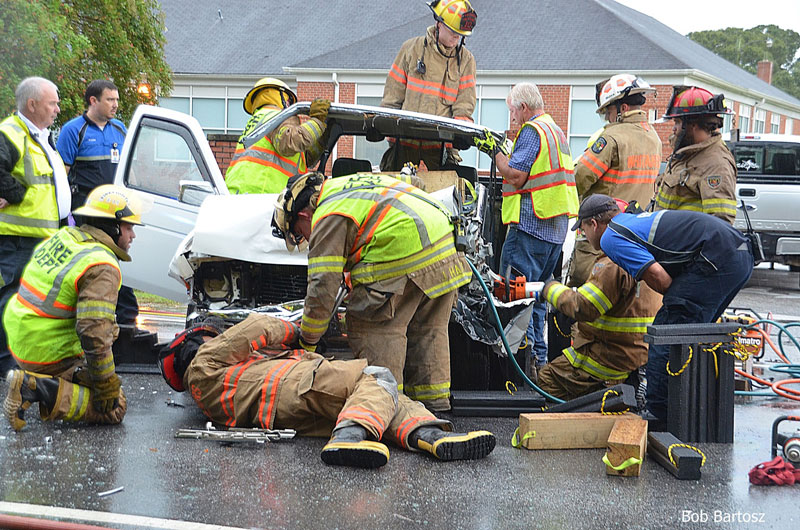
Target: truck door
<point>167,158</point>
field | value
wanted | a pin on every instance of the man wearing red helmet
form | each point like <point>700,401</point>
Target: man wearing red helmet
<point>434,74</point>
<point>701,173</point>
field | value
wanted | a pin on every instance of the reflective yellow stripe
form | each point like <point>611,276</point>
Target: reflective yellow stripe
<point>622,324</point>
<point>555,292</point>
<point>589,365</point>
<point>314,325</point>
<point>96,309</point>
<point>365,272</point>
<point>596,296</point>
<point>461,278</point>
<point>78,403</point>
<point>725,206</point>
<point>428,392</point>
<point>322,264</point>
<point>675,202</point>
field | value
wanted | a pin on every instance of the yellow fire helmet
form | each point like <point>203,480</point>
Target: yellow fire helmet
<point>113,202</point>
<point>457,15</point>
<point>287,97</point>
<point>298,194</point>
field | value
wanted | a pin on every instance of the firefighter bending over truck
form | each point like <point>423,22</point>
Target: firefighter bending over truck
<point>397,242</point>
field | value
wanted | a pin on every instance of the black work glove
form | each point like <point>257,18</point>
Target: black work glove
<point>319,109</point>
<point>106,393</point>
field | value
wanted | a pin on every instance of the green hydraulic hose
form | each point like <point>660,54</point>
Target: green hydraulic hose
<point>505,342</point>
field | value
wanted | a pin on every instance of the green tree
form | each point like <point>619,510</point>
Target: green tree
<point>745,47</point>
<point>72,42</point>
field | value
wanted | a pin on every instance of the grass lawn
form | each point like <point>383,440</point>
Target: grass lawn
<point>155,300</point>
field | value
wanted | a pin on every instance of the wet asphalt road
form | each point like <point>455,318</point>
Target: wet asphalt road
<point>286,485</point>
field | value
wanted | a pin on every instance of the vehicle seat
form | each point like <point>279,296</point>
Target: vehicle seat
<point>783,164</point>
<point>349,166</point>
<point>466,172</point>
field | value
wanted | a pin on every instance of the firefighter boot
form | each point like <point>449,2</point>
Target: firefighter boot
<point>449,446</point>
<point>24,389</point>
<point>349,447</point>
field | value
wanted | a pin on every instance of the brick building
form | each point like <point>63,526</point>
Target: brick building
<point>342,50</point>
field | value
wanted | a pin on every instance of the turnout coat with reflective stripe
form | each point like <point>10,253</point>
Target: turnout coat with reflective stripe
<point>54,300</point>
<point>267,165</point>
<point>447,88</point>
<point>551,182</point>
<point>623,162</point>
<point>393,230</point>
<point>37,214</point>
<point>613,311</point>
<point>701,178</point>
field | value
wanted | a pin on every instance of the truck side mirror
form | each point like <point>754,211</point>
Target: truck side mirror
<point>194,192</point>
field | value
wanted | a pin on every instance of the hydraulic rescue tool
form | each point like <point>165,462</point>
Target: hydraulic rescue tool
<point>788,443</point>
<point>514,286</point>
<point>236,434</point>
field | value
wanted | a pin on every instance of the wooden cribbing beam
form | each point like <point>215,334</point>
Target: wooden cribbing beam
<point>627,443</point>
<point>567,430</point>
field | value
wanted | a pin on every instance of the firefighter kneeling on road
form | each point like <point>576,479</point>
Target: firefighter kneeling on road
<point>251,375</point>
<point>397,243</point>
<point>61,322</point>
<point>613,311</point>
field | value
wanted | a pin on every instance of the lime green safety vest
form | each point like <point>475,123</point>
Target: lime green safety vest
<point>401,229</point>
<point>551,183</point>
<point>260,169</point>
<point>40,320</point>
<point>37,214</point>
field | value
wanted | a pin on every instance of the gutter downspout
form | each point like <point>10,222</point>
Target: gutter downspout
<point>335,79</point>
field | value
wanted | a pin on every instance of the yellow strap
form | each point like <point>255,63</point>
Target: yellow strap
<point>693,448</point>
<point>510,385</point>
<point>603,404</point>
<point>518,443</point>
<point>679,372</point>
<point>632,461</point>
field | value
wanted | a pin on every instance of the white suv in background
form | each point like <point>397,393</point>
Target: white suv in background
<point>769,184</point>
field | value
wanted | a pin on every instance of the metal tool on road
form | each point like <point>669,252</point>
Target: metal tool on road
<point>788,443</point>
<point>237,434</point>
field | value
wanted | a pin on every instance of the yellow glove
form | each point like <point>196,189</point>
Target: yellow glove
<point>308,347</point>
<point>506,146</point>
<point>487,144</point>
<point>319,109</point>
<point>106,393</point>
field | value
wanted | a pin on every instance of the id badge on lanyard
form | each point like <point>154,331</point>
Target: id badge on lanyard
<point>114,154</point>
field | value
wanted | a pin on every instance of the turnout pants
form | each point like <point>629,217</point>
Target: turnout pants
<point>561,379</point>
<point>73,401</point>
<point>236,384</point>
<point>408,335</point>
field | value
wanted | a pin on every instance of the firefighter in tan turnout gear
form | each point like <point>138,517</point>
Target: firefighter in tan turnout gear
<point>397,243</point>
<point>622,162</point>
<point>434,74</point>
<point>61,323</point>
<point>251,376</point>
<point>266,165</point>
<point>701,173</point>
<point>613,311</point>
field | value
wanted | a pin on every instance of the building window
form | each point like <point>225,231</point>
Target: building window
<point>372,151</point>
<point>760,121</point>
<point>775,124</point>
<point>727,122</point>
<point>789,123</point>
<point>584,121</point>
<point>744,118</point>
<point>218,109</point>
<point>490,111</point>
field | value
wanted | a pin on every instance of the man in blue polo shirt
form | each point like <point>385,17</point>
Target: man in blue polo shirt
<point>90,146</point>
<point>697,261</point>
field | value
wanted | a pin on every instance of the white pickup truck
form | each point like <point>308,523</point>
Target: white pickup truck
<point>769,184</point>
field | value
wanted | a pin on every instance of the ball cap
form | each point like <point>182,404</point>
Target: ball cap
<point>594,205</point>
